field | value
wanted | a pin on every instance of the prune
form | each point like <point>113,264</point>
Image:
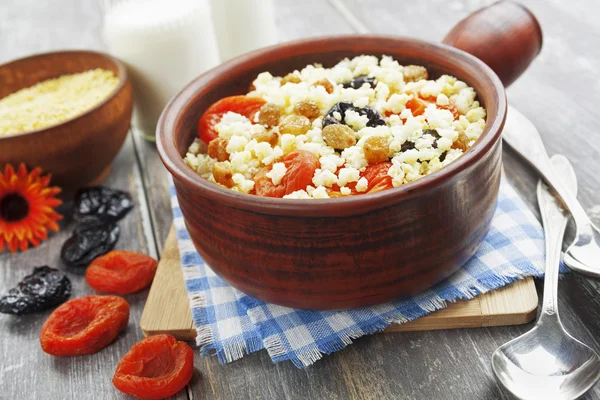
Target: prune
<point>101,205</point>
<point>122,272</point>
<point>84,326</point>
<point>45,288</point>
<point>408,145</point>
<point>434,133</point>
<point>155,368</point>
<point>89,242</point>
<point>357,82</point>
<point>375,119</point>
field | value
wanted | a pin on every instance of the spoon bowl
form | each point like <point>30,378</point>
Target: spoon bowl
<point>582,254</point>
<point>547,362</point>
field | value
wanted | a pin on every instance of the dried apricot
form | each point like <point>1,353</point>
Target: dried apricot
<point>378,178</point>
<point>416,106</point>
<point>452,108</point>
<point>244,105</point>
<point>122,272</point>
<point>269,115</point>
<point>217,149</point>
<point>84,326</point>
<point>154,368</point>
<point>300,167</point>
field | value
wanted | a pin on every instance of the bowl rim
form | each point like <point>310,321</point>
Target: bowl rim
<point>122,74</point>
<point>350,205</point>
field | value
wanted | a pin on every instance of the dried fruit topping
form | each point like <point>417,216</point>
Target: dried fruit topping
<point>339,136</point>
<point>378,178</point>
<point>89,242</point>
<point>416,106</point>
<point>45,288</point>
<point>269,115</point>
<point>376,149</point>
<point>300,167</point>
<point>223,174</point>
<point>270,137</point>
<point>290,78</point>
<point>95,205</point>
<point>84,326</point>
<point>326,84</point>
<point>121,272</point>
<point>375,119</point>
<point>217,149</point>
<point>408,145</point>
<point>155,368</point>
<point>307,108</point>
<point>452,108</point>
<point>432,132</point>
<point>461,143</point>
<point>294,124</point>
<point>246,106</point>
<point>359,81</point>
<point>414,73</point>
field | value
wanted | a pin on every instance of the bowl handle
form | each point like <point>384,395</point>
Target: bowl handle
<point>505,35</point>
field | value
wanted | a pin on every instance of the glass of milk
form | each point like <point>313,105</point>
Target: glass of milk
<point>165,45</point>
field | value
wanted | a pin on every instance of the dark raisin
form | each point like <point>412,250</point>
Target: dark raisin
<point>89,242</point>
<point>408,145</point>
<point>45,288</point>
<point>357,82</point>
<point>375,118</point>
<point>435,134</point>
<point>94,205</point>
<point>443,156</point>
<point>432,132</point>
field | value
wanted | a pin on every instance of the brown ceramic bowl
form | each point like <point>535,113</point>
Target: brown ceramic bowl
<point>79,151</point>
<point>344,252</point>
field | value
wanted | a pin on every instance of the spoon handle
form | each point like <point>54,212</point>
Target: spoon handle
<point>524,138</point>
<point>555,218</point>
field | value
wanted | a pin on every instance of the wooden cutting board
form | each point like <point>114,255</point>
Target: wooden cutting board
<point>167,309</point>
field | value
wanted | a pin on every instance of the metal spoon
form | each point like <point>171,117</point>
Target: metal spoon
<point>547,362</point>
<point>583,255</point>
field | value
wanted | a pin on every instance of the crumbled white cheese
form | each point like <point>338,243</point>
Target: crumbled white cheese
<point>277,173</point>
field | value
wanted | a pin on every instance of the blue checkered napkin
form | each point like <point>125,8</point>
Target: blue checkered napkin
<point>231,324</point>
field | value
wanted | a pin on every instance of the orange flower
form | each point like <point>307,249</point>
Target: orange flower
<point>26,208</point>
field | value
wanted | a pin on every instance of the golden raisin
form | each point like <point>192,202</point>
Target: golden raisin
<point>339,136</point>
<point>414,73</point>
<point>271,137</point>
<point>308,108</point>
<point>217,148</point>
<point>269,115</point>
<point>223,174</point>
<point>295,125</point>
<point>461,143</point>
<point>290,78</point>
<point>376,149</point>
<point>326,84</point>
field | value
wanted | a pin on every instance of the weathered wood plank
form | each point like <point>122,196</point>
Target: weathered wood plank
<point>28,27</point>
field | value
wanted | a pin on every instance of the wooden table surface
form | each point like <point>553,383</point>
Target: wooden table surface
<point>560,93</point>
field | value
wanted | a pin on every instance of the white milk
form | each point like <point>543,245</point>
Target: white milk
<point>165,44</point>
<point>243,25</point>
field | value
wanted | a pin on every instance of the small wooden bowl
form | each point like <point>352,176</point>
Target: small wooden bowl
<point>344,252</point>
<point>79,151</point>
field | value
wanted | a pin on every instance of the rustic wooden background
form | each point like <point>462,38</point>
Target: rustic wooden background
<point>560,94</point>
